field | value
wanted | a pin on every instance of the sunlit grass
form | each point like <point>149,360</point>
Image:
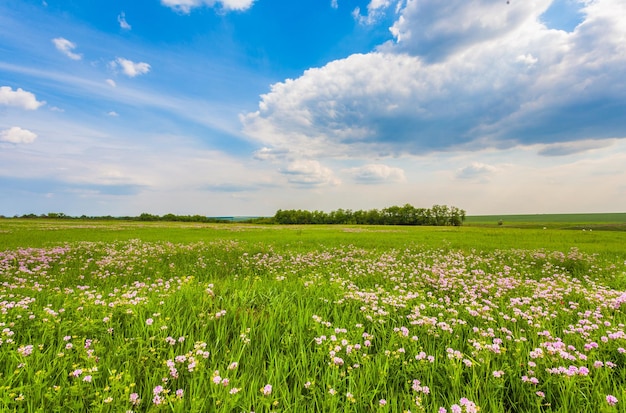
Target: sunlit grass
<point>301,319</point>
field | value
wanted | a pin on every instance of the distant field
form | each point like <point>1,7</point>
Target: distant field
<point>605,221</point>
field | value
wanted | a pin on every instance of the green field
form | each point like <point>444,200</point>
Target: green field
<point>108,316</point>
<point>606,221</point>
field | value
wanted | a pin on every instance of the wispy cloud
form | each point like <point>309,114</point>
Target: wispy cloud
<point>570,148</point>
<point>17,135</point>
<point>121,19</point>
<point>376,173</point>
<point>375,10</point>
<point>185,6</point>
<point>66,47</point>
<point>19,98</point>
<point>476,170</point>
<point>309,173</point>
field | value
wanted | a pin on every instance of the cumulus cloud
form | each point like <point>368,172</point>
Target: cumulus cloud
<point>121,19</point>
<point>113,114</point>
<point>19,98</point>
<point>376,173</point>
<point>130,68</point>
<point>475,75</point>
<point>309,173</point>
<point>476,170</point>
<point>185,6</point>
<point>66,47</point>
<point>434,29</point>
<point>17,135</point>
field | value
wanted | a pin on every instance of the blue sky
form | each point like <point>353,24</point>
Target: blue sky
<point>243,107</point>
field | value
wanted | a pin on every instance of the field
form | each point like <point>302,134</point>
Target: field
<point>607,221</point>
<point>156,317</point>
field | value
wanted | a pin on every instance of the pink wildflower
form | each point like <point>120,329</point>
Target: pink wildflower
<point>611,400</point>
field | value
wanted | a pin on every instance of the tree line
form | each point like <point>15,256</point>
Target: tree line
<point>439,215</point>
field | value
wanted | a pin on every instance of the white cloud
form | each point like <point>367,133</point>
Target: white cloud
<point>334,4</point>
<point>121,19</point>
<point>489,77</point>
<point>65,46</point>
<point>375,10</point>
<point>309,173</point>
<point>113,114</point>
<point>185,6</point>
<point>433,29</point>
<point>19,98</point>
<point>111,82</point>
<point>130,68</point>
<point>376,173</point>
<point>17,135</point>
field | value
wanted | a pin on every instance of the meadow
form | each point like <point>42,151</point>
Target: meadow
<point>156,317</point>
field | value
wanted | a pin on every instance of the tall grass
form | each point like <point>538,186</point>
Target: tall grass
<point>301,319</point>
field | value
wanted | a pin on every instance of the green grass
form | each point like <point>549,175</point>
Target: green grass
<point>335,319</point>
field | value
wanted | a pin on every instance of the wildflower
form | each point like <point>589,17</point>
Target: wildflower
<point>233,365</point>
<point>149,321</point>
<point>234,390</point>
<point>108,400</point>
<point>87,379</point>
<point>134,399</point>
<point>25,350</point>
<point>540,394</point>
<point>382,402</point>
<point>157,390</point>
<point>611,400</point>
<point>179,393</point>
<point>266,390</point>
<point>498,373</point>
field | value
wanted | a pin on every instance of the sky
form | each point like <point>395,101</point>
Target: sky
<point>244,107</point>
